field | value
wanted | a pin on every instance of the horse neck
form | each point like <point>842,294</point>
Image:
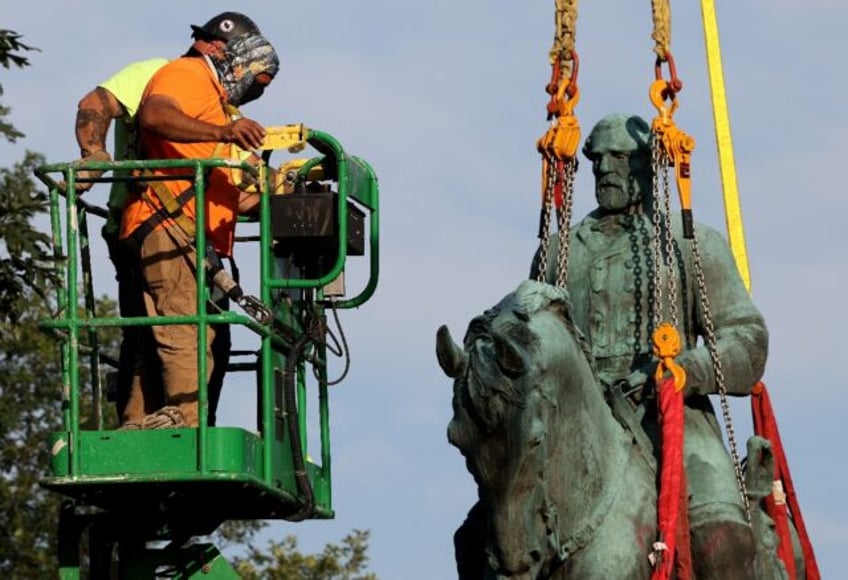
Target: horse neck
<point>590,449</point>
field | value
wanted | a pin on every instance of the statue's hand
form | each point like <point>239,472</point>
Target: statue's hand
<point>641,381</point>
<point>638,378</point>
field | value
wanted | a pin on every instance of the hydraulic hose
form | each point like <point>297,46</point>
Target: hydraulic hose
<point>301,477</point>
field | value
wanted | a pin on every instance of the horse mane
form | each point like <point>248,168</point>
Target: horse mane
<point>532,297</point>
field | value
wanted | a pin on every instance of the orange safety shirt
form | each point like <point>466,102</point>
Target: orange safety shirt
<point>191,83</point>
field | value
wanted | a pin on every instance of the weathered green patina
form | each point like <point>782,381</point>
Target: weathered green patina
<point>555,413</point>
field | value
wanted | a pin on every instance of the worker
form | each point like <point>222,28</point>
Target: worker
<point>186,113</point>
<point>117,99</point>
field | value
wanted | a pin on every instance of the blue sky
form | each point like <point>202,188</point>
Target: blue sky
<point>446,100</point>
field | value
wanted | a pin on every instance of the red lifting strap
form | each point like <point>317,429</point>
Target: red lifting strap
<point>672,504</point>
<point>765,425</point>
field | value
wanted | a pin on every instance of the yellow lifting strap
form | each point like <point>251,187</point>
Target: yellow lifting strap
<point>724,143</point>
<point>661,13</point>
<point>565,21</point>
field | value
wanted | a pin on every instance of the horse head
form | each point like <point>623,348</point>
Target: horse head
<point>507,403</point>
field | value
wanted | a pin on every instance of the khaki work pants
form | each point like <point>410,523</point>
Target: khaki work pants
<point>170,289</point>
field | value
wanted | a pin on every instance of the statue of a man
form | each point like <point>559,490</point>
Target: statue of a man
<point>611,281</point>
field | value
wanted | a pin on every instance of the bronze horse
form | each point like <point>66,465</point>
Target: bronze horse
<point>565,491</point>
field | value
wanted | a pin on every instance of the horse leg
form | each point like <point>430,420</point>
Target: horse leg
<point>758,479</point>
<point>723,550</point>
<point>723,542</point>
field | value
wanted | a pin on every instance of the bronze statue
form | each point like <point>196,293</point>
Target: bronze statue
<point>555,413</point>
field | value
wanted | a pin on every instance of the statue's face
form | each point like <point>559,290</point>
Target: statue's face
<point>622,170</point>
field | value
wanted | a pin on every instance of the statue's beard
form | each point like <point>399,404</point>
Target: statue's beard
<point>614,194</point>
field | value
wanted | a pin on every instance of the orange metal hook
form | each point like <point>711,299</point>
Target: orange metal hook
<point>667,346</point>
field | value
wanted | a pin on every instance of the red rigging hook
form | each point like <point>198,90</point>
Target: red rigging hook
<point>556,70</point>
<point>675,85</point>
<point>552,87</point>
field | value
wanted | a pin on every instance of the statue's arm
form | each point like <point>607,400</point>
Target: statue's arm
<point>740,330</point>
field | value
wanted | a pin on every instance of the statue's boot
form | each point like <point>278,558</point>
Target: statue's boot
<point>723,550</point>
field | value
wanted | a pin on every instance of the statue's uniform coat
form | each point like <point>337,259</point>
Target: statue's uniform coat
<point>610,281</point>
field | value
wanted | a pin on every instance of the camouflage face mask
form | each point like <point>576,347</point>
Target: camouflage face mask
<point>245,57</point>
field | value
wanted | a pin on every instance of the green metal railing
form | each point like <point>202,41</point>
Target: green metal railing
<point>88,463</point>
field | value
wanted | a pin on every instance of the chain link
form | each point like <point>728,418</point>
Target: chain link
<point>566,179</point>
<point>545,234</point>
<point>660,164</point>
<point>712,347</point>
<point>665,257</point>
<point>671,254</point>
<point>563,176</point>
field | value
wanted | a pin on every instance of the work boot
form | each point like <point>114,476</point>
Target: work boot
<point>164,418</point>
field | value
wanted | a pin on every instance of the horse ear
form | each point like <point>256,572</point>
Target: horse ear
<point>509,358</point>
<point>451,357</point>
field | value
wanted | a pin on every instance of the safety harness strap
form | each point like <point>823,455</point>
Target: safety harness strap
<point>171,208</point>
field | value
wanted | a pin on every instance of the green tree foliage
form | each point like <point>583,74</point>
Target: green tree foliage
<point>31,391</point>
<point>28,360</point>
<point>283,561</point>
<point>30,369</point>
<point>25,259</point>
<point>11,54</point>
<point>24,256</point>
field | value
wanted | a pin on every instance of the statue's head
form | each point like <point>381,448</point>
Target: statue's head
<point>619,147</point>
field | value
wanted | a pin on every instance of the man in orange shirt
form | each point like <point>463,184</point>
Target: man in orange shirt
<point>184,114</point>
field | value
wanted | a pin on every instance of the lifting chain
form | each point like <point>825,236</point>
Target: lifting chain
<point>664,258</point>
<point>558,147</point>
<point>548,179</point>
<point>712,347</point>
<point>564,224</point>
<point>665,337</point>
<point>674,147</point>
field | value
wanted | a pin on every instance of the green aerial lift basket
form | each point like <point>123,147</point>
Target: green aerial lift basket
<point>131,487</point>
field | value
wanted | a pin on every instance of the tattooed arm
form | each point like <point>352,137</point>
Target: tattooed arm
<point>95,113</point>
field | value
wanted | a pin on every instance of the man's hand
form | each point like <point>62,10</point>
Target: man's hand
<point>244,132</point>
<point>81,187</point>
